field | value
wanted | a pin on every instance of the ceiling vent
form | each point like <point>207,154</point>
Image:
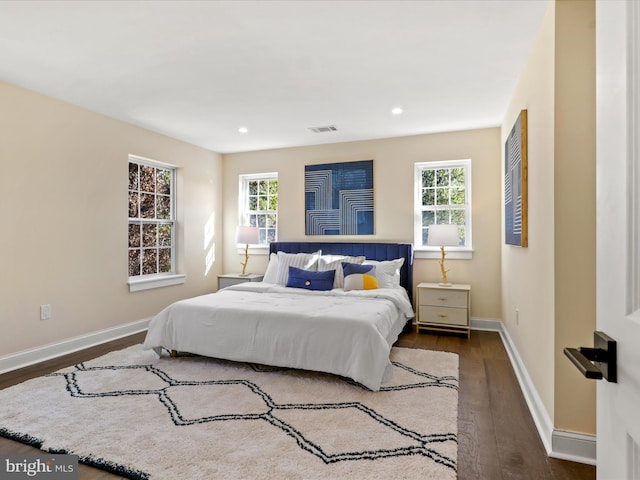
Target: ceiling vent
<point>328,128</point>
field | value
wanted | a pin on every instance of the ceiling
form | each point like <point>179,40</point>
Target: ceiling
<point>199,70</point>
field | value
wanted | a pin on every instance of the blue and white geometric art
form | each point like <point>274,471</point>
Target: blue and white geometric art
<point>339,198</point>
<point>515,184</point>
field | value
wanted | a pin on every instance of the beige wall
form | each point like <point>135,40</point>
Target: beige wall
<point>552,281</point>
<point>394,161</point>
<point>575,209</point>
<point>63,197</point>
<point>528,273</point>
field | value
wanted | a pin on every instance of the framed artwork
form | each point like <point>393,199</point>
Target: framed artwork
<point>515,184</point>
<point>339,198</point>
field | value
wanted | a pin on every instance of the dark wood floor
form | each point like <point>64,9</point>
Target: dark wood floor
<point>497,436</point>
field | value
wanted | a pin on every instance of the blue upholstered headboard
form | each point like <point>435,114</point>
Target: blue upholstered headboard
<point>372,251</point>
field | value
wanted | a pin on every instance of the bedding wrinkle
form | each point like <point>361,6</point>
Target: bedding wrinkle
<point>344,333</point>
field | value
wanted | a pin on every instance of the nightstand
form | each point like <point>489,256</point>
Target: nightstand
<point>443,309</point>
<point>232,278</point>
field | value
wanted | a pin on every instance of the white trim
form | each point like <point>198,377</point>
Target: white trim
<point>243,200</point>
<point>487,324</point>
<point>149,162</point>
<point>572,446</point>
<point>634,154</point>
<point>451,255</point>
<point>137,284</point>
<point>254,249</point>
<point>32,356</point>
<point>537,409</point>
<point>417,199</point>
<point>173,216</point>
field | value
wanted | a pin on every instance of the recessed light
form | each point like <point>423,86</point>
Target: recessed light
<point>243,129</point>
<point>396,111</point>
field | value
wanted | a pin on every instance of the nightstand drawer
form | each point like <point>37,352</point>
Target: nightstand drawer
<point>443,298</point>
<point>444,315</point>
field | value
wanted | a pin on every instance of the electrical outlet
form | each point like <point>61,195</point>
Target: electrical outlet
<point>517,317</point>
<point>45,312</point>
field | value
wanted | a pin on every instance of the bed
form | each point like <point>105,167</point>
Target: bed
<point>301,316</point>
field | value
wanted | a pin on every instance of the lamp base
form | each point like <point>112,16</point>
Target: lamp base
<point>445,284</point>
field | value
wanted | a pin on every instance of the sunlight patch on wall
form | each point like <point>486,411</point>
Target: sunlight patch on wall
<point>209,244</point>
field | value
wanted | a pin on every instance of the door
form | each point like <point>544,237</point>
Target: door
<point>618,232</point>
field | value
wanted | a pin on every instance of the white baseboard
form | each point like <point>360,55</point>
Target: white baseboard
<point>25,358</point>
<point>576,447</point>
<point>486,324</point>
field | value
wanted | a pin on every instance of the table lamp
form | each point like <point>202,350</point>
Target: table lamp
<point>247,235</point>
<point>443,235</point>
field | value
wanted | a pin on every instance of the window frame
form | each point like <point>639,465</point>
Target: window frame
<point>457,252</point>
<point>243,207</point>
<point>161,279</point>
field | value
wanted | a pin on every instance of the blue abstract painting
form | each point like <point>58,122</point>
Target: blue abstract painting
<point>339,198</point>
<point>515,184</point>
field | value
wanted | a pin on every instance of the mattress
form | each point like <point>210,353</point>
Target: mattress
<point>347,333</point>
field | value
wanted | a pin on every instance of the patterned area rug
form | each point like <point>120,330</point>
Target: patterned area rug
<point>141,417</point>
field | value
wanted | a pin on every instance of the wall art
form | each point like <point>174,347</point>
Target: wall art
<point>515,184</point>
<point>339,198</point>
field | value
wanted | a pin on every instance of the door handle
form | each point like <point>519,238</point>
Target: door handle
<point>598,362</point>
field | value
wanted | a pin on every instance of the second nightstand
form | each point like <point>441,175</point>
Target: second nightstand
<point>232,278</point>
<point>444,309</point>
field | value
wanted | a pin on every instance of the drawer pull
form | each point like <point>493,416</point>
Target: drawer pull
<point>443,299</point>
<point>442,315</point>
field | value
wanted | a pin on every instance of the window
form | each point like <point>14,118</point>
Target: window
<point>259,204</point>
<point>443,195</point>
<point>152,223</point>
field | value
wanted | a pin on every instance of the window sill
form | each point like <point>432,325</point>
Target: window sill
<point>147,283</point>
<point>451,255</point>
<point>253,249</point>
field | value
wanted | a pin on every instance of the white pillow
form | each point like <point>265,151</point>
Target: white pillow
<point>271,274</point>
<point>306,261</point>
<point>334,262</point>
<point>387,272</point>
<point>360,281</point>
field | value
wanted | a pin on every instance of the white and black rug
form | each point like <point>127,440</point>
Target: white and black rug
<point>140,416</point>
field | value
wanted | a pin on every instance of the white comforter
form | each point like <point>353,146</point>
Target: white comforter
<point>344,333</point>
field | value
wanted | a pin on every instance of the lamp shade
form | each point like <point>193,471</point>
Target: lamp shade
<point>248,235</point>
<point>443,235</point>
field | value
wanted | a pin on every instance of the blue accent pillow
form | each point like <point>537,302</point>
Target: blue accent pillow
<point>351,268</point>
<point>311,280</point>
